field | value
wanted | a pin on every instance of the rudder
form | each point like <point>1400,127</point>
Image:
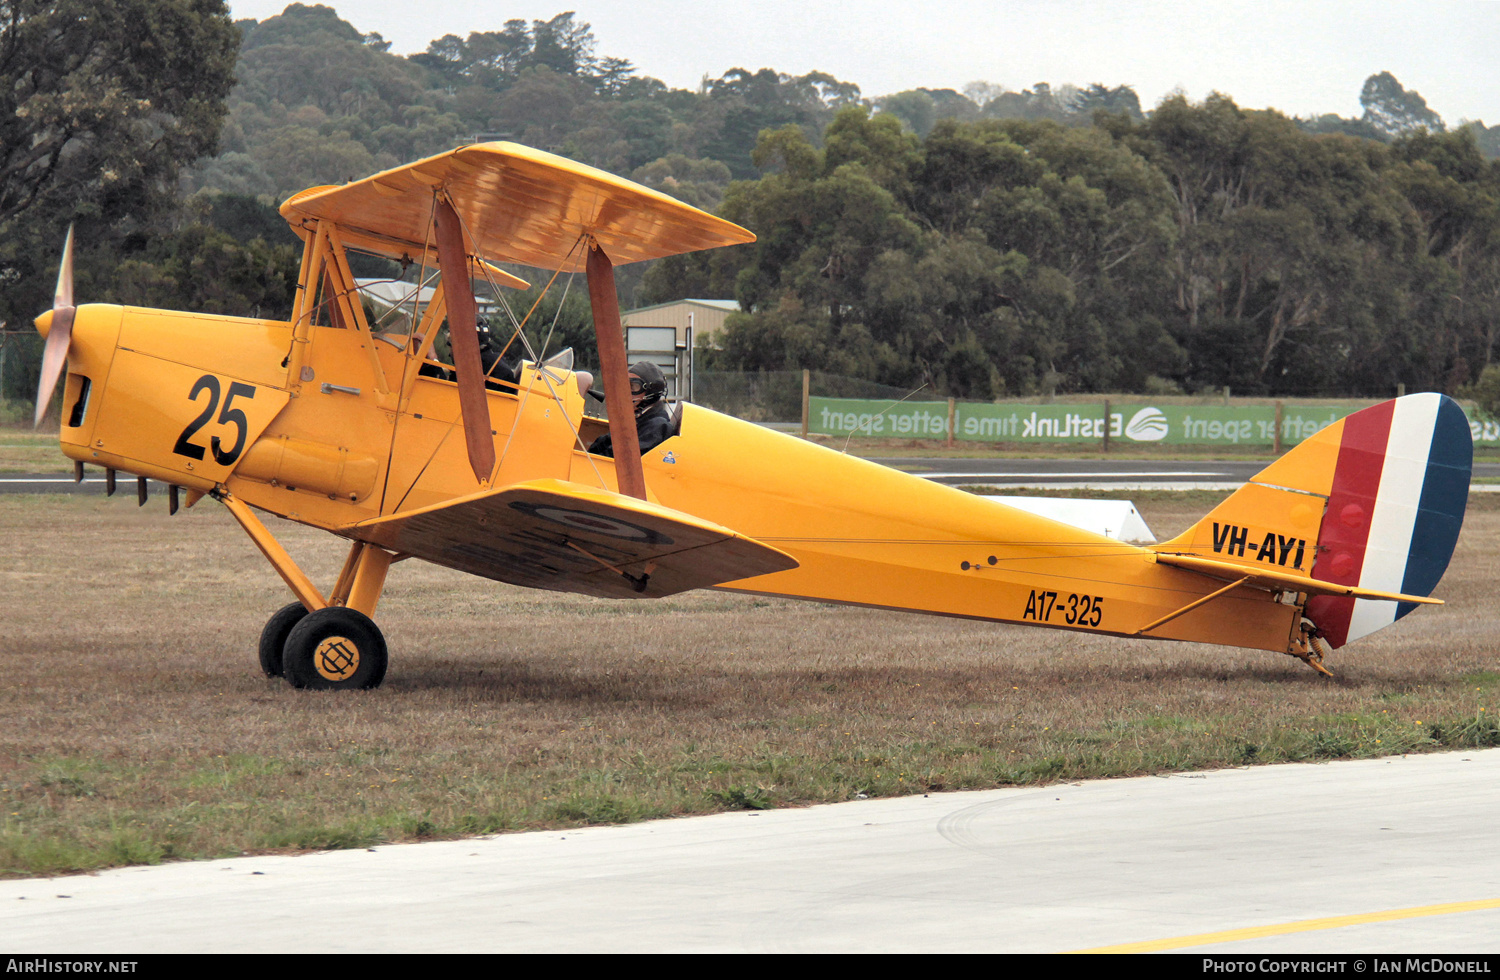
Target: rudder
<point>1374,501</point>
<point>1395,509</point>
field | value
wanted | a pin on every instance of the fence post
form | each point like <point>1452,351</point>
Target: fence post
<point>806,390</point>
<point>1277,449</point>
<point>951,405</point>
<point>1106,426</point>
<point>1226,396</point>
<point>1401,389</point>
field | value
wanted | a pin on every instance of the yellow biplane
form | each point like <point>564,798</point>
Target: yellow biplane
<point>331,421</point>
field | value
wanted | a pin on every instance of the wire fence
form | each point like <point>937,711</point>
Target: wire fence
<point>776,396</point>
<point>821,404</point>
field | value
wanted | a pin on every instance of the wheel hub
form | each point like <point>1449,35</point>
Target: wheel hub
<point>336,658</point>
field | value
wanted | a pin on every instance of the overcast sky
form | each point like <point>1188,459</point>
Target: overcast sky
<point>1304,58</point>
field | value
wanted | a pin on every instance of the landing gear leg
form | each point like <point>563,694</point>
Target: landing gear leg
<point>364,579</point>
<point>329,644</point>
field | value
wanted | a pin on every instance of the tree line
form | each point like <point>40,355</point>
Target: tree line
<point>1204,246</point>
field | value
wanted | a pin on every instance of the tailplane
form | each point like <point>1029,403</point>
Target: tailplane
<point>1372,503</point>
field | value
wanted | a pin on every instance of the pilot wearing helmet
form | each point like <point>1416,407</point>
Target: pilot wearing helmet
<point>653,423</point>
<point>500,374</point>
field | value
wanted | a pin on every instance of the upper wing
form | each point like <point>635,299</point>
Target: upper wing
<point>518,205</point>
<point>551,534</point>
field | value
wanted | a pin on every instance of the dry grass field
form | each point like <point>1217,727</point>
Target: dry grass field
<point>135,726</point>
<point>25,451</point>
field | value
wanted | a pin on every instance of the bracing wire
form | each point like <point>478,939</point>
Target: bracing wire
<point>414,347</point>
<point>537,357</point>
<point>892,405</point>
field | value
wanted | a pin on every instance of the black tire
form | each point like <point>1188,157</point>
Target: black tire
<point>335,649</point>
<point>273,637</point>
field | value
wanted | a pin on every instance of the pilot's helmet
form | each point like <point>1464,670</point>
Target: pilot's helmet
<point>652,385</point>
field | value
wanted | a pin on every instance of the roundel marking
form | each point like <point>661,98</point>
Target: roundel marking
<point>581,520</point>
<point>1147,425</point>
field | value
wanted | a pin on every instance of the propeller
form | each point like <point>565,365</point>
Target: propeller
<point>58,330</point>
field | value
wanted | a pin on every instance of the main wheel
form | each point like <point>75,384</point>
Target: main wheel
<point>273,637</point>
<point>335,649</point>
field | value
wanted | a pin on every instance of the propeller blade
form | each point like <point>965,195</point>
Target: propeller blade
<point>54,359</point>
<point>59,332</point>
<point>463,333</point>
<point>63,296</point>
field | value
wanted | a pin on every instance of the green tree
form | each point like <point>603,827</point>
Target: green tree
<point>202,269</point>
<point>1037,102</point>
<point>102,103</point>
<point>1395,110</point>
<point>1486,392</point>
<point>920,109</point>
<point>700,183</point>
<point>1453,262</point>
<point>741,104</point>
<point>1120,100</point>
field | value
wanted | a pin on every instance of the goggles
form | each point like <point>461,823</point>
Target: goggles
<point>637,386</point>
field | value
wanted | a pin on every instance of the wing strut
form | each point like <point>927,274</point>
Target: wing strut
<point>611,336</point>
<point>1190,607</point>
<point>464,335</point>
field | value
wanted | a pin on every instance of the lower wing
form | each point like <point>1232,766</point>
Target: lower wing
<point>552,534</point>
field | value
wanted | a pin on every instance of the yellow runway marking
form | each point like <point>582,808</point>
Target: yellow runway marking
<point>1306,925</point>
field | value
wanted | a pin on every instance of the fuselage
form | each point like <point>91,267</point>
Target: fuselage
<point>338,426</point>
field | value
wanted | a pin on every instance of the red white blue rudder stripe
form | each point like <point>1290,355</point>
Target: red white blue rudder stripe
<point>1394,510</point>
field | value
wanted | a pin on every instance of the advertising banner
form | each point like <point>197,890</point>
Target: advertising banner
<point>1137,421</point>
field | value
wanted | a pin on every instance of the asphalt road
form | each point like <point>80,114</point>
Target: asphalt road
<point>1383,855</point>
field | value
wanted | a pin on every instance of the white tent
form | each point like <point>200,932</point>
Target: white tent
<point>1116,519</point>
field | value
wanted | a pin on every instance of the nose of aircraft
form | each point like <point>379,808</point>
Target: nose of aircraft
<point>57,326</point>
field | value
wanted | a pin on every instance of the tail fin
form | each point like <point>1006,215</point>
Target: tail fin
<point>1374,501</point>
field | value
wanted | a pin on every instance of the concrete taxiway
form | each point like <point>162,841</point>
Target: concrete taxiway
<point>1385,855</point>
